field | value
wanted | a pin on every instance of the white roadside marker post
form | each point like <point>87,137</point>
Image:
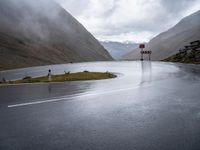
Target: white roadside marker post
<point>49,75</point>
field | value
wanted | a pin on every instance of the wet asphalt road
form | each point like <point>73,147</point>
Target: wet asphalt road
<point>150,106</point>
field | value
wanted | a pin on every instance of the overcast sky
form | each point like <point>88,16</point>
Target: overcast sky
<point>129,20</point>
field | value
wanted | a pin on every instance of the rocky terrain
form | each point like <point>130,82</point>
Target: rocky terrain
<point>189,54</point>
<point>34,33</point>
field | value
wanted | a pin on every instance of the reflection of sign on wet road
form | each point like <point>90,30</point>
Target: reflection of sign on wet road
<point>146,70</point>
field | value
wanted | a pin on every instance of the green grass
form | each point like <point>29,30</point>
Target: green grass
<point>79,76</point>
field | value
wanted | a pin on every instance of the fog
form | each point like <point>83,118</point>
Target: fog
<point>34,17</point>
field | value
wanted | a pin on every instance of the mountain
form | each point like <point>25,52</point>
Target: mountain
<point>117,49</point>
<point>41,33</point>
<point>168,43</point>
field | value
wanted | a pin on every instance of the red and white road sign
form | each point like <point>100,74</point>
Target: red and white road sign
<point>142,46</point>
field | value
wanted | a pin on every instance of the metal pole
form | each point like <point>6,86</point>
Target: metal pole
<point>141,54</point>
<point>149,56</point>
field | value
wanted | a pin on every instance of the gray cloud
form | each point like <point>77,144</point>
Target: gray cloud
<point>137,20</point>
<point>177,6</point>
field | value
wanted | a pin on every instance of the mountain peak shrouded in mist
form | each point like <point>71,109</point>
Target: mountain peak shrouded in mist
<point>168,43</point>
<point>41,33</point>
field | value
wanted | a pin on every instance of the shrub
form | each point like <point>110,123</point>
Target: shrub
<point>27,78</point>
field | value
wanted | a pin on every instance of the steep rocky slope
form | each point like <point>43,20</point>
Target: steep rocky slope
<point>168,43</point>
<point>42,32</point>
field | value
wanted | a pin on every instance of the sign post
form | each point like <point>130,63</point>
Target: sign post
<point>142,46</point>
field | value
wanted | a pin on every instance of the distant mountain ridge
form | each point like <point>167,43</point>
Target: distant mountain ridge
<point>118,49</point>
<point>36,33</point>
<point>168,43</point>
